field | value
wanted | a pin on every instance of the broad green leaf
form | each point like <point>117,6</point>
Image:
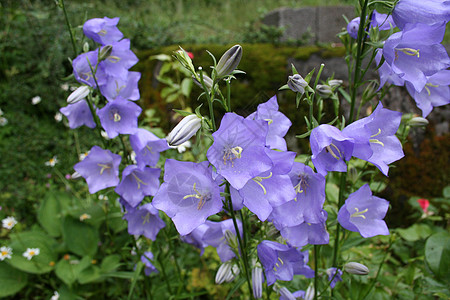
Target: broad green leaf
<point>415,232</point>
<point>186,86</point>
<point>11,280</point>
<point>437,254</point>
<point>332,192</point>
<point>90,274</point>
<point>110,263</point>
<point>41,263</point>
<point>49,215</point>
<point>172,97</point>
<point>68,270</point>
<point>80,238</point>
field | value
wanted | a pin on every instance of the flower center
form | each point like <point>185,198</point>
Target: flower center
<point>114,59</point>
<point>270,121</point>
<point>102,32</point>
<point>231,154</point>
<point>330,150</point>
<point>86,75</point>
<point>407,51</point>
<point>146,218</point>
<point>375,141</point>
<point>428,89</point>
<point>202,198</point>
<point>279,263</point>
<point>103,167</point>
<point>138,180</point>
<point>359,213</point>
<point>4,253</point>
<point>258,180</point>
<point>301,185</point>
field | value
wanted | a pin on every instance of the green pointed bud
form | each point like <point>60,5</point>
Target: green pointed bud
<point>356,268</point>
<point>86,47</point>
<point>206,80</point>
<point>78,95</point>
<point>297,84</point>
<point>184,130</point>
<point>105,52</point>
<point>183,57</point>
<point>335,83</point>
<point>418,122</point>
<point>231,240</point>
<point>229,61</point>
<point>352,174</point>
<point>324,90</point>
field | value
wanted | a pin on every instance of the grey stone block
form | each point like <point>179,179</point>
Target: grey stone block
<point>330,22</point>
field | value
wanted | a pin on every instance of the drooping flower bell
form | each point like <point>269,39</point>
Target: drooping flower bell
<point>84,67</point>
<point>103,31</point>
<point>117,87</point>
<point>146,258</point>
<point>297,84</point>
<point>100,168</point>
<point>222,236</point>
<point>424,11</point>
<point>78,114</point>
<point>119,116</point>
<point>188,195</point>
<point>353,27</point>
<point>147,147</point>
<point>364,213</point>
<point>144,220</point>
<point>330,149</point>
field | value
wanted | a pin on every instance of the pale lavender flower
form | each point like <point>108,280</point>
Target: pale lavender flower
<point>83,67</point>
<point>78,114</point>
<point>117,87</point>
<point>103,31</point>
<point>145,221</point>
<point>146,258</point>
<point>353,27</point>
<point>364,213</point>
<point>100,169</point>
<point>119,116</point>
<point>334,275</point>
<point>215,236</point>
<point>423,11</point>
<point>119,60</point>
<point>147,147</point>
<point>382,21</point>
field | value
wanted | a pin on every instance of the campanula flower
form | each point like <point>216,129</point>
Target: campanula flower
<point>79,94</point>
<point>353,27</point>
<point>375,139</point>
<point>227,272</point>
<point>83,67</point>
<point>424,11</point>
<point>382,21</point>
<point>145,221</point>
<point>238,150</point>
<point>282,262</point>
<point>356,268</point>
<point>334,275</point>
<point>121,58</point>
<point>119,116</point>
<point>415,52</point>
<point>278,123</point>
<point>386,73</point>
<point>188,195</point>
<point>330,149</point>
<point>184,130</point>
<point>103,31</point>
<point>195,238</point>
<point>146,258</point>
<point>297,84</point>
<point>100,169</point>
<point>216,234</point>
<point>116,87</point>
<point>147,147</point>
<point>137,183</point>
<point>364,213</point>
<point>229,61</point>
<point>307,233</point>
<point>435,93</point>
<point>257,281</point>
<point>78,114</point>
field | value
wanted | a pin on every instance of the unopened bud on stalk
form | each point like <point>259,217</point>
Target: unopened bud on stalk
<point>334,83</point>
<point>183,57</point>
<point>231,239</point>
<point>418,122</point>
<point>286,294</point>
<point>356,268</point>
<point>229,61</point>
<point>105,52</point>
<point>78,95</point>
<point>324,91</point>
<point>257,281</point>
<point>309,294</point>
<point>75,175</point>
<point>226,273</point>
<point>206,79</point>
<point>297,84</point>
<point>184,130</point>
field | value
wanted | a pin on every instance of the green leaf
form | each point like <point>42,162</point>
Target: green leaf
<point>90,274</point>
<point>186,86</point>
<point>110,263</point>
<point>284,87</point>
<point>49,215</point>
<point>162,57</point>
<point>437,254</point>
<point>345,95</point>
<point>298,97</point>
<point>80,238</point>
<point>446,192</point>
<point>137,272</point>
<point>304,135</point>
<point>235,288</point>
<point>182,112</point>
<point>11,280</point>
<point>167,91</point>
<point>309,76</point>
<point>332,192</point>
<point>39,264</point>
<point>294,70</point>
<point>68,271</point>
<point>415,232</point>
<point>172,97</point>
<point>377,186</point>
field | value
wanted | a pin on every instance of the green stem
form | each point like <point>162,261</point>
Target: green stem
<point>243,252</point>
<point>124,149</point>
<point>229,95</point>
<point>311,105</point>
<point>316,272</point>
<point>338,227</point>
<point>359,47</point>
<point>74,46</point>
<point>163,271</point>
<point>177,266</point>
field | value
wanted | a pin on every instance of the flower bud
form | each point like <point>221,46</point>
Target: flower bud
<point>184,130</point>
<point>183,57</point>
<point>229,61</point>
<point>418,122</point>
<point>356,268</point>
<point>334,83</point>
<point>206,79</point>
<point>286,294</point>
<point>297,84</point>
<point>231,239</point>
<point>78,95</point>
<point>257,281</point>
<point>223,272</point>
<point>309,294</point>
<point>324,91</point>
<point>105,52</point>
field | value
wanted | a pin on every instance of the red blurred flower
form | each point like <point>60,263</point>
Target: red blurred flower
<point>191,55</point>
<point>424,203</point>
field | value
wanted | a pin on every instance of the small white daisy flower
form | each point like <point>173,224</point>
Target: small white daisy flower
<point>104,135</point>
<point>65,86</point>
<point>58,117</point>
<point>31,252</point>
<point>36,100</point>
<point>52,162</point>
<point>5,252</point>
<point>9,222</point>
<point>102,197</point>
<point>3,121</point>
<point>84,217</point>
<point>55,296</point>
<point>83,155</point>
